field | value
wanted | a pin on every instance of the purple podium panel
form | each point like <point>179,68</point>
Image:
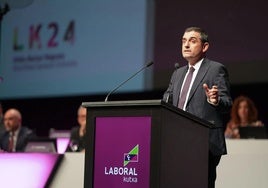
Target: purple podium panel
<point>122,152</point>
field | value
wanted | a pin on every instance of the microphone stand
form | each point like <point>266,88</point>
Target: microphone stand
<point>148,65</point>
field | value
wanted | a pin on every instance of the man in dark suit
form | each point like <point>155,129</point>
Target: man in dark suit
<point>16,136</point>
<point>208,93</point>
<point>78,133</point>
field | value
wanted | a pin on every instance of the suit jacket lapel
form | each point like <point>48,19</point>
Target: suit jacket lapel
<point>179,84</point>
<point>198,79</point>
<point>19,138</point>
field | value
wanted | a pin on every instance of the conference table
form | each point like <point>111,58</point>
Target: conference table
<point>245,165</point>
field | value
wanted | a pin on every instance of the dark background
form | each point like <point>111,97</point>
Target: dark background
<point>237,31</point>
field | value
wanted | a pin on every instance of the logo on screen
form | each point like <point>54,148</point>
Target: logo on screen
<point>132,156</point>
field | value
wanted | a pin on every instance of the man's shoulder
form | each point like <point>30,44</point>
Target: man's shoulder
<point>181,69</point>
<point>75,129</point>
<point>213,63</point>
<point>26,130</point>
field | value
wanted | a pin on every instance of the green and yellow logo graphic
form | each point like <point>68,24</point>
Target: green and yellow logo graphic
<point>132,156</point>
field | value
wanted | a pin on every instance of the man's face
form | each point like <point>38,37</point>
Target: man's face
<point>11,121</point>
<point>192,47</point>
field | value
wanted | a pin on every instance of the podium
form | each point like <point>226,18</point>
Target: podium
<point>144,144</point>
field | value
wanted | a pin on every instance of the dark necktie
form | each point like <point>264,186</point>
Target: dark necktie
<point>11,142</point>
<point>186,88</point>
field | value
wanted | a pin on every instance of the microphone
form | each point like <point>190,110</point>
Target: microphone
<point>144,67</point>
<point>169,96</point>
<point>177,65</point>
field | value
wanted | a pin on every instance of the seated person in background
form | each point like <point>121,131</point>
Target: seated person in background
<point>77,139</point>
<point>15,136</point>
<point>244,113</point>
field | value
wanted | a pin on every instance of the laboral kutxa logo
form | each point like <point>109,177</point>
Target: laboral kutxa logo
<point>129,173</point>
